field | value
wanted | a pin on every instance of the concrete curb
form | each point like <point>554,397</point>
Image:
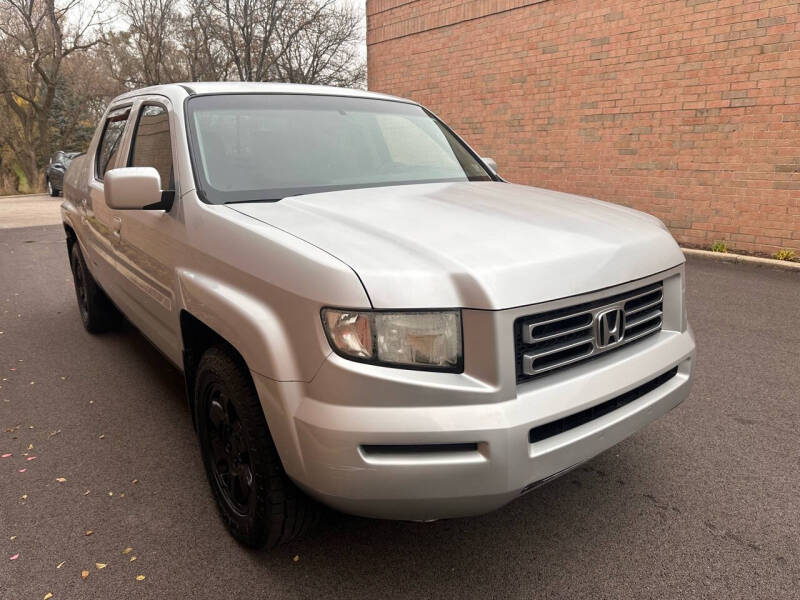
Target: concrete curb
<point>24,196</point>
<point>740,258</point>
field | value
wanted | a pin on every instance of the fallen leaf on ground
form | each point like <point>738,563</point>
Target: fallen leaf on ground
<point>296,557</point>
<point>127,550</point>
<point>102,435</point>
<point>100,565</point>
<point>47,596</point>
<point>84,574</point>
<point>6,455</point>
<point>89,532</point>
<point>53,433</point>
<point>86,493</point>
<point>14,556</point>
<point>140,578</point>
<point>12,538</point>
<point>22,470</point>
<point>30,446</point>
<point>60,479</point>
<point>31,458</point>
<point>135,481</point>
<point>133,558</point>
<point>110,493</point>
<point>24,497</point>
<point>61,564</point>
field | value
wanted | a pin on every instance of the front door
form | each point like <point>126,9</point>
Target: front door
<point>148,242</point>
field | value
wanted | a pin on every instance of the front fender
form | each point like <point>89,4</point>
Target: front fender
<point>259,331</point>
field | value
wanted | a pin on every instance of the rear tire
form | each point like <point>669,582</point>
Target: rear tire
<point>51,190</point>
<point>98,313</point>
<point>259,504</point>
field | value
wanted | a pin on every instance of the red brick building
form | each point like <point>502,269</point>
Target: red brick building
<point>688,109</point>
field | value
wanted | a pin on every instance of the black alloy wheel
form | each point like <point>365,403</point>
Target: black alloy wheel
<point>98,313</point>
<point>81,288</point>
<point>229,455</point>
<point>259,504</point>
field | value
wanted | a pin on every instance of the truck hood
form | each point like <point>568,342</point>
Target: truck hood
<point>484,245</point>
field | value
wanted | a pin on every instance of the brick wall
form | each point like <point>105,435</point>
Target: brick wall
<point>688,109</point>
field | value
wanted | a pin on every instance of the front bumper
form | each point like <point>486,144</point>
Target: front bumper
<point>488,460</point>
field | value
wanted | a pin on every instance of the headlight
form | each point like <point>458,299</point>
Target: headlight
<point>428,340</point>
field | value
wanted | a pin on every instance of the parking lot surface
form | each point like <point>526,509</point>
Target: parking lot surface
<point>704,503</point>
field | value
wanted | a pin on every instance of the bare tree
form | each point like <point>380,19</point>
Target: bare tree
<point>251,31</point>
<point>55,78</point>
<point>83,91</point>
<point>204,54</point>
<point>153,26</point>
<point>325,51</point>
<point>36,37</point>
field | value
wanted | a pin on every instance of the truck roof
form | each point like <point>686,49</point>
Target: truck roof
<point>249,87</point>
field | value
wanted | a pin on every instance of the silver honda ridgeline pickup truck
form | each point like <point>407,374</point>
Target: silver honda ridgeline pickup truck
<point>366,314</point>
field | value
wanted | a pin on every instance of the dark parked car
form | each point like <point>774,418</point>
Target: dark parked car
<point>56,169</point>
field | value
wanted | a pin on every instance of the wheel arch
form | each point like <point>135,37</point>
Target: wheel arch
<point>249,322</point>
<point>71,236</point>
<point>197,337</point>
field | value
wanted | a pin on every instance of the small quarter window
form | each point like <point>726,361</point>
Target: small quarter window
<point>151,145</point>
<point>109,142</point>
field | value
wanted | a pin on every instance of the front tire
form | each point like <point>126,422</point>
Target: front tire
<point>51,190</point>
<point>98,313</point>
<point>259,504</point>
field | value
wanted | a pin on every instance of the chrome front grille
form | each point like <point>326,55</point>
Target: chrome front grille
<point>558,338</point>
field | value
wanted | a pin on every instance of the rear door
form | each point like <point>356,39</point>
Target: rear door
<point>101,225</point>
<point>149,239</point>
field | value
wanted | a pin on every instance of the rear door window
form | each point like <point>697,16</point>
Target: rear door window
<point>109,142</point>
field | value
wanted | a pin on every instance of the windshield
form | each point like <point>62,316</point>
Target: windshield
<point>261,147</point>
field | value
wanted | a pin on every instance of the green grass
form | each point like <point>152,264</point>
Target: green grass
<point>719,246</point>
<point>785,254</point>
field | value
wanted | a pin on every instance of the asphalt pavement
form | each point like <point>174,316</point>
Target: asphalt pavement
<point>704,503</point>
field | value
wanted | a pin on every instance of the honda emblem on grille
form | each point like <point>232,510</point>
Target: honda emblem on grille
<point>610,327</point>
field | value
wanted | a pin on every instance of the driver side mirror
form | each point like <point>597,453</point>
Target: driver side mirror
<point>490,163</point>
<point>136,188</point>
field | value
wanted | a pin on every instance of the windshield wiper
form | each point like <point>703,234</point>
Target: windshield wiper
<point>251,201</point>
